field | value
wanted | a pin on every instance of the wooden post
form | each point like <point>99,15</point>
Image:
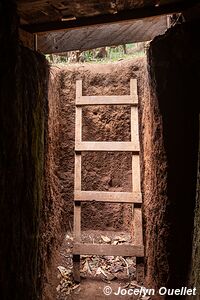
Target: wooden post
<point>77,182</point>
<point>136,185</point>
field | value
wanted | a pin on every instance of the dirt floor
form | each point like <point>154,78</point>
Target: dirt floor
<point>97,272</point>
<point>100,171</point>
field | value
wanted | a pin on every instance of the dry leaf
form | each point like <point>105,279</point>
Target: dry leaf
<point>105,239</point>
<point>76,286</point>
<point>101,271</point>
<point>64,272</point>
<point>115,243</point>
<point>134,283</point>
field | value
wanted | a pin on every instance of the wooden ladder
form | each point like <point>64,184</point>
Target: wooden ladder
<point>136,249</point>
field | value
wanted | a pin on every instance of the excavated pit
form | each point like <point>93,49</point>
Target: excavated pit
<point>101,171</point>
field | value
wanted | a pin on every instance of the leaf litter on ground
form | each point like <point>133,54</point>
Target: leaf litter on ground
<point>106,268</point>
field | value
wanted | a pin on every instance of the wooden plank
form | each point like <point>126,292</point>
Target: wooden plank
<point>137,227</point>
<point>77,172</point>
<point>133,90</point>
<point>134,125</point>
<point>77,221</point>
<point>136,184</point>
<point>78,89</point>
<point>118,197</point>
<point>77,183</point>
<point>114,250</point>
<point>134,111</point>
<point>137,214</point>
<point>78,137</point>
<point>78,122</point>
<point>107,146</point>
<point>78,128</point>
<point>120,16</point>
<point>77,238</point>
<point>101,36</point>
<point>138,241</point>
<point>77,204</point>
<point>135,135</point>
<point>100,100</point>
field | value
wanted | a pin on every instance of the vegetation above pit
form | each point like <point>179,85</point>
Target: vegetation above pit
<point>104,54</point>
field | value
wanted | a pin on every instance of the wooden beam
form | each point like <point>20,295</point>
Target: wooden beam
<point>120,16</point>
<point>133,90</point>
<point>118,197</point>
<point>102,249</point>
<point>136,173</point>
<point>106,100</point>
<point>108,146</point>
<point>79,88</point>
<point>138,240</point>
<point>77,204</point>
<point>77,184</point>
<point>77,173</point>
<point>78,127</point>
<point>102,35</point>
<point>77,221</point>
<point>134,114</point>
<point>137,227</point>
<point>77,217</point>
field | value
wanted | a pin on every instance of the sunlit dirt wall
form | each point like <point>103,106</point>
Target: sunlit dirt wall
<point>100,171</point>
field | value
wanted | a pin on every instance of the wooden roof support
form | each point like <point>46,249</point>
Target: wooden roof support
<point>100,36</point>
<point>125,15</point>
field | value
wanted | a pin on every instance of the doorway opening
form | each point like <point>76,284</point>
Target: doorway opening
<point>102,223</point>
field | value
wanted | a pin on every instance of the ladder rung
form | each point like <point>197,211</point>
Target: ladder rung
<point>107,146</point>
<point>102,249</point>
<point>107,100</point>
<point>119,197</point>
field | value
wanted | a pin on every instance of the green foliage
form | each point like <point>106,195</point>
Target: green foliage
<point>111,54</point>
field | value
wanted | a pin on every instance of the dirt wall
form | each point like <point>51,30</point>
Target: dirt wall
<point>173,140</point>
<point>52,209</point>
<point>195,266</point>
<point>100,171</point>
<point>23,114</point>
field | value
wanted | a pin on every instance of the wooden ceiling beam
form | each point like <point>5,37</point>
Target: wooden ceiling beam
<point>103,35</point>
<point>136,13</point>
